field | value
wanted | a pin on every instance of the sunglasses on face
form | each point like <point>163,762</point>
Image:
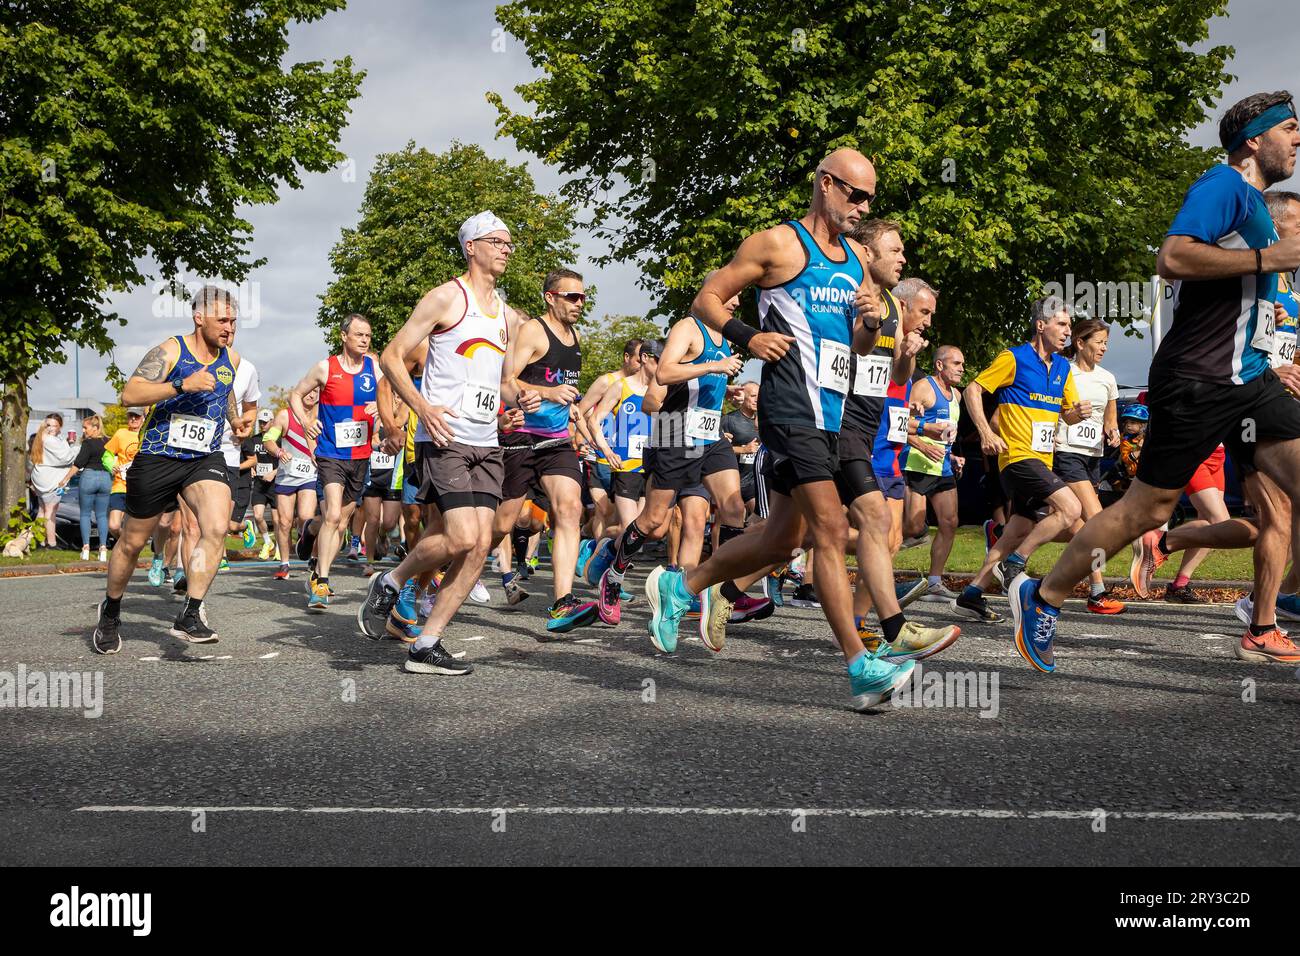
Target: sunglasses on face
<point>856,195</point>
<point>577,298</point>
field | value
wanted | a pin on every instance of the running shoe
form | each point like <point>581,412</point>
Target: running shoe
<point>103,555</point>
<point>193,629</point>
<point>85,552</point>
<point>156,572</point>
<point>107,638</point>
<point>1147,557</point>
<point>1034,623</point>
<point>747,609</point>
<point>514,590</point>
<point>249,538</point>
<point>283,573</point>
<point>804,596</point>
<point>878,681</point>
<point>909,592</point>
<point>914,542</point>
<point>666,592</point>
<point>1288,606</point>
<point>1274,646</point>
<point>320,597</point>
<point>167,576</point>
<point>867,633</point>
<point>1007,570</point>
<point>405,610</point>
<point>268,545</point>
<point>978,608</point>
<point>305,544</point>
<point>1103,603</point>
<point>311,574</point>
<point>354,549</point>
<point>1245,608</point>
<point>567,613</point>
<point>600,561</point>
<point>585,550</point>
<point>224,565</point>
<point>407,631</point>
<point>715,613</point>
<point>1184,595</point>
<point>479,594</point>
<point>435,660</point>
<point>772,589</point>
<point>372,614</point>
<point>609,595</point>
<point>179,586</point>
<point>937,592</point>
<point>626,595</point>
<point>533,563</point>
<point>992,531</point>
<point>914,642</point>
<point>424,607</point>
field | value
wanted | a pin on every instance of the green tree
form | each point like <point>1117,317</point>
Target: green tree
<point>405,241</point>
<point>134,133</point>
<point>1016,140</point>
<point>603,341</point>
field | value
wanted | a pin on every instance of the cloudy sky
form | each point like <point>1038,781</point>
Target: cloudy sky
<point>428,67</point>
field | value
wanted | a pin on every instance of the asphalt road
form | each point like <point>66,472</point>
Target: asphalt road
<point>302,742</point>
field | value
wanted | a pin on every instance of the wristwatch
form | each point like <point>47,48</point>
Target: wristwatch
<point>178,383</point>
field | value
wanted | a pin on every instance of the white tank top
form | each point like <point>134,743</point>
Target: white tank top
<point>463,371</point>
<point>298,468</point>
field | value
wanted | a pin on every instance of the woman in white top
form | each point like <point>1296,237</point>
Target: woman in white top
<point>1080,447</point>
<point>51,456</point>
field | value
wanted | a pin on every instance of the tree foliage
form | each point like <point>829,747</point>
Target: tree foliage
<point>1016,140</point>
<point>603,341</point>
<point>404,243</point>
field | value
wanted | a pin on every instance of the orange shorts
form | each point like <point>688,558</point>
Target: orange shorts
<point>1209,474</point>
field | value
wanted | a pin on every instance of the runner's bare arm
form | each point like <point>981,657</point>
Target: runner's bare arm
<point>527,345</point>
<point>685,343</point>
<point>316,377</point>
<point>148,383</point>
<point>440,308</point>
<point>1183,257</point>
<point>596,422</point>
<point>654,398</point>
<point>764,258</point>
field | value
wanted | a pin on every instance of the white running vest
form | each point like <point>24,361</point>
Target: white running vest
<point>463,371</point>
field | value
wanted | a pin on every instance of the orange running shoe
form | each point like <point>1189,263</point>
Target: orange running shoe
<point>1103,603</point>
<point>1273,646</point>
<point>1147,557</point>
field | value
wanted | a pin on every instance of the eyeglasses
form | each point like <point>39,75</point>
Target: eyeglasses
<point>857,196</point>
<point>578,298</point>
<point>498,244</point>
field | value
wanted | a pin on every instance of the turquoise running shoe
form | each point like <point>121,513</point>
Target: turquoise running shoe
<point>600,561</point>
<point>666,592</point>
<point>404,610</point>
<point>585,550</point>
<point>156,572</point>
<point>250,533</point>
<point>877,681</point>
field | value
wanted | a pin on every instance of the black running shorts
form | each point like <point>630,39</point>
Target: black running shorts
<point>1028,484</point>
<point>800,455</point>
<point>154,482</point>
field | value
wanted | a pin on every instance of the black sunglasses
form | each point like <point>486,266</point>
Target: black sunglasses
<point>576,297</point>
<point>856,195</point>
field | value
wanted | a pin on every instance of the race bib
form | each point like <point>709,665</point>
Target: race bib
<point>302,468</point>
<point>897,434</point>
<point>190,432</point>
<point>1265,328</point>
<point>1044,439</point>
<point>1283,348</point>
<point>636,446</point>
<point>481,402</point>
<point>264,469</point>
<point>747,459</point>
<point>833,367</point>
<point>704,424</point>
<point>1084,435</point>
<point>873,375</point>
<point>381,462</point>
<point>350,434</point>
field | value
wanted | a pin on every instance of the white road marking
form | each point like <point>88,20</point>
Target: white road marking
<point>588,640</point>
<point>155,658</point>
<point>1213,637</point>
<point>477,637</point>
<point>267,657</point>
<point>936,813</point>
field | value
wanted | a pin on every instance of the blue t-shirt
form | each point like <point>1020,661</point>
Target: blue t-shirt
<point>1220,327</point>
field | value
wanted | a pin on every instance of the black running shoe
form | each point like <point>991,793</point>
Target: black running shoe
<point>804,596</point>
<point>435,660</point>
<point>179,587</point>
<point>1006,571</point>
<point>1182,595</point>
<point>305,543</point>
<point>192,629</point>
<point>107,639</point>
<point>372,614</point>
<point>977,608</point>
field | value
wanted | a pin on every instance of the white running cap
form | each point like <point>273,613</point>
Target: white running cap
<point>476,227</point>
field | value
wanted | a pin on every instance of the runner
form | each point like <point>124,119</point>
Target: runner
<point>342,429</point>
<point>295,477</point>
<point>546,357</point>
<point>620,428</point>
<point>1210,381</point>
<point>686,448</point>
<point>263,499</point>
<point>240,460</point>
<point>741,429</point>
<point>598,474</point>
<point>1035,391</point>
<point>118,455</point>
<point>188,380</point>
<point>458,462</point>
<point>382,497</point>
<point>1079,447</point>
<point>808,273</point>
<point>930,466</point>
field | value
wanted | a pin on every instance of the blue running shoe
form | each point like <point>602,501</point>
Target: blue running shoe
<point>666,592</point>
<point>909,592</point>
<point>600,561</point>
<point>567,613</point>
<point>404,610</point>
<point>626,596</point>
<point>1034,622</point>
<point>878,680</point>
<point>1288,606</point>
<point>772,589</point>
<point>585,551</point>
<point>405,631</point>
<point>156,572</point>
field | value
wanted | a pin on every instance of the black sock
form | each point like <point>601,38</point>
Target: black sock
<point>629,543</point>
<point>729,589</point>
<point>112,606</point>
<point>322,580</point>
<point>727,532</point>
<point>1259,630</point>
<point>519,544</point>
<point>1163,543</point>
<point>192,606</point>
<point>891,626</point>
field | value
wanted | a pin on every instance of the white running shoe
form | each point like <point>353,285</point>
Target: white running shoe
<point>85,552</point>
<point>480,594</point>
<point>103,555</point>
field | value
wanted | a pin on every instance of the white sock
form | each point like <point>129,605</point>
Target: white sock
<point>425,642</point>
<point>392,582</point>
<point>935,580</point>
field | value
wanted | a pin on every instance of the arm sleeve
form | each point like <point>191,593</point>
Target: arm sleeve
<point>1000,374</point>
<point>1215,206</point>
